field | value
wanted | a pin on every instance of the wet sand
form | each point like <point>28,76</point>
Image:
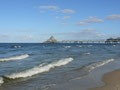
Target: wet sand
<point>111,80</point>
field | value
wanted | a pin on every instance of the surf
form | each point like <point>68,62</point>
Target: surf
<point>17,46</point>
<point>1,81</point>
<point>67,46</point>
<point>98,64</point>
<point>39,69</point>
<point>14,58</point>
<point>79,46</point>
<point>86,53</point>
<point>91,66</point>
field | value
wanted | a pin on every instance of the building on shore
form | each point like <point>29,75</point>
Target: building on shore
<point>113,40</point>
<point>51,40</point>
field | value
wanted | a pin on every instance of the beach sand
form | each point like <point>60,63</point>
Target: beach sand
<point>111,80</point>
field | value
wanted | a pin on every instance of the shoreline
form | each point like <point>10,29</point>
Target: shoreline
<point>95,79</point>
<point>111,80</point>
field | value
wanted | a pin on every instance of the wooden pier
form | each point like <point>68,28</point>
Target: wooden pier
<point>82,41</point>
<point>107,41</point>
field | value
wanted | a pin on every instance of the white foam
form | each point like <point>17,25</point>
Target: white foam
<point>67,46</point>
<point>17,46</point>
<point>86,53</point>
<point>14,58</point>
<point>46,87</point>
<point>39,69</point>
<point>1,81</point>
<point>98,64</point>
<point>114,45</point>
<point>79,46</point>
<point>90,45</point>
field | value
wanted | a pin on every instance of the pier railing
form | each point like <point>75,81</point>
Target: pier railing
<point>86,41</point>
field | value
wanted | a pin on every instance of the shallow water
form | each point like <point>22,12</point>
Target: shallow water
<point>42,66</point>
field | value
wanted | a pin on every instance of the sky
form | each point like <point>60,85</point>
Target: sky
<point>37,20</point>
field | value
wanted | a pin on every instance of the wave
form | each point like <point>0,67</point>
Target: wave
<point>79,46</point>
<point>90,67</point>
<point>67,46</point>
<point>86,53</point>
<point>98,64</point>
<point>90,45</point>
<point>17,46</point>
<point>14,58</point>
<point>1,81</point>
<point>114,45</point>
<point>39,69</point>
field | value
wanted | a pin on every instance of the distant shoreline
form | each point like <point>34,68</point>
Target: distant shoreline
<point>55,43</point>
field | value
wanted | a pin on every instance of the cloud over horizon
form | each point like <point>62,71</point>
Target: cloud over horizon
<point>52,7</point>
<point>64,24</point>
<point>113,17</point>
<point>68,11</point>
<point>66,17</point>
<point>15,38</point>
<point>83,34</point>
<point>90,20</point>
<point>42,11</point>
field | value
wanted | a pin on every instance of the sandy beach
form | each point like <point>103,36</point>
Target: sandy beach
<point>111,80</point>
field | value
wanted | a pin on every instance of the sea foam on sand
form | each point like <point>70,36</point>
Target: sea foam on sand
<point>1,81</point>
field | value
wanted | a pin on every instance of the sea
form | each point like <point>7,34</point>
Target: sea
<point>38,66</point>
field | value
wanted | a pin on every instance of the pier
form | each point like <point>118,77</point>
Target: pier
<point>82,41</point>
<point>107,41</point>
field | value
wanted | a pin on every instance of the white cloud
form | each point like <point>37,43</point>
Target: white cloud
<point>66,18</point>
<point>3,35</point>
<point>52,7</point>
<point>81,23</point>
<point>57,17</point>
<point>89,30</point>
<point>93,32</point>
<point>89,20</point>
<point>56,8</point>
<point>84,34</point>
<point>42,11</point>
<point>93,19</point>
<point>15,38</point>
<point>113,17</point>
<point>68,11</point>
<point>64,24</point>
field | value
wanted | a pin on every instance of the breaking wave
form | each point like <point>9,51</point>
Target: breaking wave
<point>1,81</point>
<point>14,58</point>
<point>67,46</point>
<point>79,46</point>
<point>39,69</point>
<point>17,46</point>
<point>98,64</point>
<point>90,67</point>
<point>114,45</point>
<point>90,45</point>
<point>86,53</point>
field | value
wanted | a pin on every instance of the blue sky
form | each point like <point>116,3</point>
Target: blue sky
<point>37,20</point>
